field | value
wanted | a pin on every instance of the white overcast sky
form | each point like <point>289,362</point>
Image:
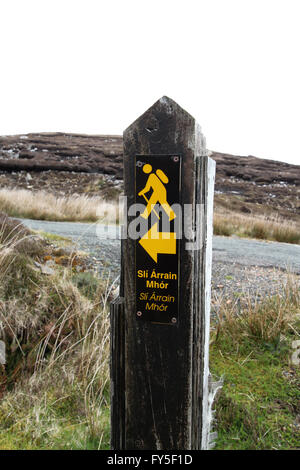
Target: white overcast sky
<point>93,66</point>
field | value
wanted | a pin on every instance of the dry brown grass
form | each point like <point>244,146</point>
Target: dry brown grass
<point>261,321</point>
<point>46,206</point>
<point>256,227</point>
<point>81,208</point>
<point>57,344</point>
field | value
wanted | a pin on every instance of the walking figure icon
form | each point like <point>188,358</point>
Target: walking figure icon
<point>156,181</point>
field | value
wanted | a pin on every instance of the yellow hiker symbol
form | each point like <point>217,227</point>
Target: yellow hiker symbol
<point>155,242</point>
<point>156,182</point>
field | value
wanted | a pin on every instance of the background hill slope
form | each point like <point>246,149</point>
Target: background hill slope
<point>92,164</point>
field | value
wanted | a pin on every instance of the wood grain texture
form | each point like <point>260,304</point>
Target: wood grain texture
<point>117,370</point>
<point>164,365</point>
<point>205,168</point>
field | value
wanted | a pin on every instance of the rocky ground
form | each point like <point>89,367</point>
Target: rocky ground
<point>91,164</point>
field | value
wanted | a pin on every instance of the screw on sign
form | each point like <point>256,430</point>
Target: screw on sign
<point>161,394</point>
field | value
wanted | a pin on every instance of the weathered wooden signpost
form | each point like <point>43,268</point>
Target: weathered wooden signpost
<point>161,396</point>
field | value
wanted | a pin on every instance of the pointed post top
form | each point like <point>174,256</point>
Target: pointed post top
<point>171,105</point>
<point>163,107</point>
<point>165,128</point>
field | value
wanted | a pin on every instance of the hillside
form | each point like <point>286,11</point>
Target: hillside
<point>72,164</point>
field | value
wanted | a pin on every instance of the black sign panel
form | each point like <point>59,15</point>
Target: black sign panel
<point>158,183</point>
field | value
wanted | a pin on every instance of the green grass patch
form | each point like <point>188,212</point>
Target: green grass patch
<point>52,422</point>
<point>260,400</point>
<point>53,238</point>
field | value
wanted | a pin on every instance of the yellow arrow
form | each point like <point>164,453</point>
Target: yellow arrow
<point>155,242</point>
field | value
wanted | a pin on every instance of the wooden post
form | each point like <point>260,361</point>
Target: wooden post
<point>161,396</point>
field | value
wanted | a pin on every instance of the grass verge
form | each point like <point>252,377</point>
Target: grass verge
<point>53,238</point>
<point>259,405</point>
<point>54,388</point>
<point>256,227</point>
<point>41,205</point>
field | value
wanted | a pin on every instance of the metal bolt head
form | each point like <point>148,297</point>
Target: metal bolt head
<point>139,443</point>
<point>174,320</point>
<point>176,159</point>
<point>139,313</point>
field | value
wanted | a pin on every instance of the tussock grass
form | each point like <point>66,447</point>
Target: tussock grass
<point>260,321</point>
<point>57,343</point>
<point>259,405</point>
<point>256,227</point>
<point>46,206</point>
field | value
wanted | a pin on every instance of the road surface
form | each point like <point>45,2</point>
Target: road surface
<point>102,243</point>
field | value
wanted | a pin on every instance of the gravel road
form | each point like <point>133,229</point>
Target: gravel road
<point>94,239</point>
<point>239,265</point>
